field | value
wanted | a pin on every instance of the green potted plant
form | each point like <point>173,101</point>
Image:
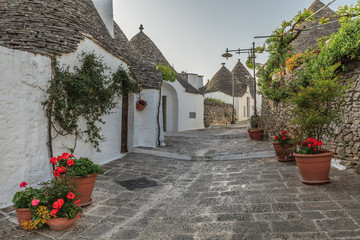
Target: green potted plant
<point>62,201</point>
<point>315,107</point>
<point>282,146</point>
<point>83,170</point>
<point>25,203</point>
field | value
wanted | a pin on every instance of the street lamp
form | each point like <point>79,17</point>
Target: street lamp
<point>251,52</point>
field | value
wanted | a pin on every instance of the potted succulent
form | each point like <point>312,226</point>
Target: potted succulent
<point>140,104</point>
<point>25,204</point>
<point>282,147</point>
<point>83,170</point>
<point>62,201</point>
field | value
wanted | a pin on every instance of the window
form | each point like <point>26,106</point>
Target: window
<point>192,114</point>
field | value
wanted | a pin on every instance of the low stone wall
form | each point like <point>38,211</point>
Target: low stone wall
<point>345,139</point>
<point>217,113</point>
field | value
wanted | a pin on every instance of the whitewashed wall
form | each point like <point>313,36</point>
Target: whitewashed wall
<point>187,102</point>
<point>24,152</point>
<point>143,130</point>
<point>172,107</point>
<point>105,10</point>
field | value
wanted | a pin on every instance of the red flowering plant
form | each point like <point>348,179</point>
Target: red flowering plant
<point>283,138</point>
<point>34,199</point>
<point>67,164</point>
<point>62,198</point>
<point>310,146</point>
<point>142,102</point>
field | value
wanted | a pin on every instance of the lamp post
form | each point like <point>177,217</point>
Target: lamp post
<point>251,52</point>
<point>233,97</point>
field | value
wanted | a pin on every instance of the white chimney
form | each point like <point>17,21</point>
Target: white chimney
<point>105,10</point>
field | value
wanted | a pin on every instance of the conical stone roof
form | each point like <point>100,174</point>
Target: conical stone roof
<point>309,37</point>
<point>145,72</point>
<point>152,55</point>
<point>222,81</point>
<point>147,48</point>
<point>242,79</point>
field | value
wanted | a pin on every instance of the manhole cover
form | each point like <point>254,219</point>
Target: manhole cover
<point>143,182</point>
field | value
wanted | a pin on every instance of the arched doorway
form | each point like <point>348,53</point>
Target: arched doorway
<point>170,108</point>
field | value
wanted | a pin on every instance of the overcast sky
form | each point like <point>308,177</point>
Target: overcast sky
<point>192,34</point>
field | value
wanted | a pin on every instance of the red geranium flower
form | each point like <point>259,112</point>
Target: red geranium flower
<point>70,162</point>
<point>284,132</point>
<point>54,212</point>
<point>70,195</point>
<point>60,202</point>
<point>23,184</point>
<point>284,138</point>
<point>77,203</point>
<point>71,155</point>
<point>53,160</point>
<point>277,137</point>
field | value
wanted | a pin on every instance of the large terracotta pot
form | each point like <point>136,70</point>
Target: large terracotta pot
<point>250,134</point>
<point>85,189</point>
<point>281,152</point>
<point>258,135</point>
<point>140,107</point>
<point>314,168</point>
<point>23,215</point>
<point>59,224</point>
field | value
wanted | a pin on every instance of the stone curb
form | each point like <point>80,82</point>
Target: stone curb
<point>214,157</point>
<point>241,135</point>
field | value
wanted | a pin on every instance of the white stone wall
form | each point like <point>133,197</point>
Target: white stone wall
<point>143,124</point>
<point>105,10</point>
<point>24,152</point>
<point>187,102</point>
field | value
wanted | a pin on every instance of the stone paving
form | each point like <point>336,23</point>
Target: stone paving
<point>219,200</point>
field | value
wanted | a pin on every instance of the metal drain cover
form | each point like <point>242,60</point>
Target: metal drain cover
<point>142,182</point>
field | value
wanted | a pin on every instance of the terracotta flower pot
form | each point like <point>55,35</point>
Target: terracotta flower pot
<point>59,224</point>
<point>23,215</point>
<point>140,107</point>
<point>258,135</point>
<point>314,168</point>
<point>250,134</point>
<point>281,152</point>
<point>85,189</point>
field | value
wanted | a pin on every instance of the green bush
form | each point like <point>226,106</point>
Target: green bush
<point>213,100</point>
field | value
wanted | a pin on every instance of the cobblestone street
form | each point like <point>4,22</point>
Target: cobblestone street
<point>221,200</point>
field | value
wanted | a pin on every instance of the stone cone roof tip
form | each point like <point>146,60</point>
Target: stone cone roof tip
<point>151,53</point>
<point>147,48</point>
<point>242,79</point>
<point>309,38</point>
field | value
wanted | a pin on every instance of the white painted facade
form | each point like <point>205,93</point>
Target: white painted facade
<point>105,10</point>
<point>244,106</point>
<point>25,155</point>
<point>195,80</point>
<point>184,110</point>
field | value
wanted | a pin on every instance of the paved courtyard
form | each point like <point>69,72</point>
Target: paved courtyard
<point>220,200</point>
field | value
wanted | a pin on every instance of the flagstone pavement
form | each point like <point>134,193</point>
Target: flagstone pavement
<point>246,198</point>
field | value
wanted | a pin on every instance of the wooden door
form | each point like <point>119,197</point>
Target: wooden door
<point>124,123</point>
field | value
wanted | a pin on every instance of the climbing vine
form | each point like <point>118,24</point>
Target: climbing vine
<point>86,93</point>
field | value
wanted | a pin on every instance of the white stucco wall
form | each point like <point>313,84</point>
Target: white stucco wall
<point>143,124</point>
<point>187,102</point>
<point>24,152</point>
<point>105,10</point>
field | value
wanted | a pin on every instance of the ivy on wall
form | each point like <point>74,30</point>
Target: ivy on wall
<point>86,93</point>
